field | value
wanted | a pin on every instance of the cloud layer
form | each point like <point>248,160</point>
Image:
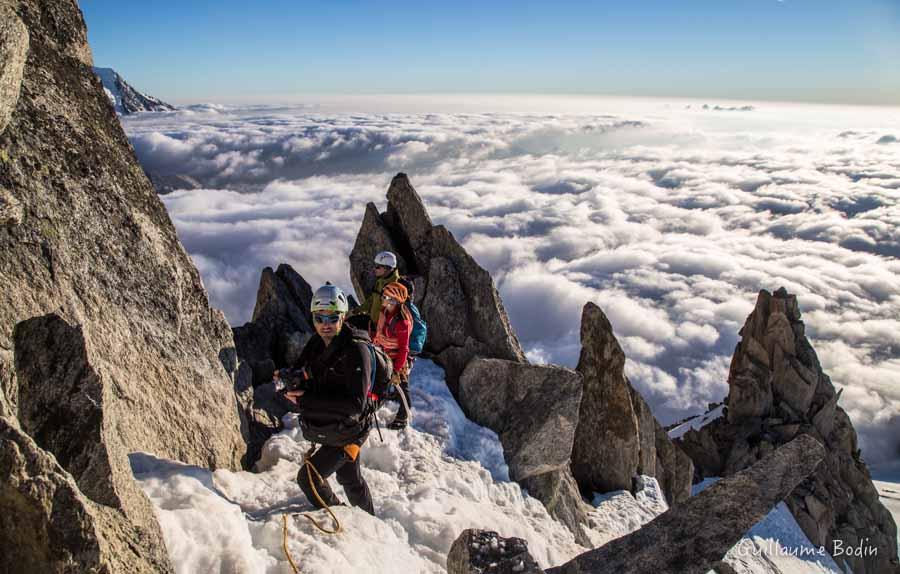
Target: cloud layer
<point>670,219</point>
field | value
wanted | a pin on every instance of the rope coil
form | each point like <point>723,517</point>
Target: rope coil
<point>310,469</point>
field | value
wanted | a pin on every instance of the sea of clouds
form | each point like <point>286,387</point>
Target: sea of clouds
<point>669,216</point>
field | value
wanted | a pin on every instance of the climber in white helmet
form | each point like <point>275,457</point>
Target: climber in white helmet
<point>386,272</point>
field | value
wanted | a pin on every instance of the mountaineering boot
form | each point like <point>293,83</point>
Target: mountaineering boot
<point>399,423</point>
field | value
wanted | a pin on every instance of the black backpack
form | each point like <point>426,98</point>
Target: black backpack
<point>383,368</point>
<point>344,432</point>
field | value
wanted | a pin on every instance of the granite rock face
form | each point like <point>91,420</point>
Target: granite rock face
<point>456,296</point>
<point>481,551</point>
<point>692,537</point>
<point>778,391</point>
<point>534,410</point>
<point>13,50</point>
<point>100,306</point>
<point>618,438</point>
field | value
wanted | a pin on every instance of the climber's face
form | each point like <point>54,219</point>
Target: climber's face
<point>328,324</point>
<point>382,270</point>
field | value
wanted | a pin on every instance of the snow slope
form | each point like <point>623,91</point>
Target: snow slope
<point>697,422</point>
<point>429,483</point>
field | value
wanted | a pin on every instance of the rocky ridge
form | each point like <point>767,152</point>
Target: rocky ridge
<point>108,345</point>
<point>778,391</point>
<point>471,338</point>
<point>124,98</point>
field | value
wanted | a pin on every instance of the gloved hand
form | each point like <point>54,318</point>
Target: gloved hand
<point>395,379</point>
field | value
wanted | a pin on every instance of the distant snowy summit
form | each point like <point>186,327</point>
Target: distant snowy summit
<point>125,99</point>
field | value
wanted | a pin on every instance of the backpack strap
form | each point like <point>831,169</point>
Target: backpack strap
<point>373,366</point>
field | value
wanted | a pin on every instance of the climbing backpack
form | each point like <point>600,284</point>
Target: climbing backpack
<point>419,331</point>
<point>382,368</point>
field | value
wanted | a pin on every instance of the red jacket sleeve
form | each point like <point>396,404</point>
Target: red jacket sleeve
<point>401,333</point>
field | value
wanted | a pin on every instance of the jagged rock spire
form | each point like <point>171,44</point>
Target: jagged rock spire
<point>778,391</point>
<point>455,294</point>
<point>618,437</point>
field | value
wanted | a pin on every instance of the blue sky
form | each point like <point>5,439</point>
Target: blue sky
<point>804,50</point>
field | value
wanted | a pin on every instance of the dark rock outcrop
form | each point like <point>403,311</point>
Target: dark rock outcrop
<point>107,341</point>
<point>273,339</point>
<point>280,326</point>
<point>457,297</point>
<point>695,535</point>
<point>778,391</point>
<point>481,551</point>
<point>534,410</point>
<point>618,437</point>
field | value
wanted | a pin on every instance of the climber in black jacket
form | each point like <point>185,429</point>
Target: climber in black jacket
<point>333,402</point>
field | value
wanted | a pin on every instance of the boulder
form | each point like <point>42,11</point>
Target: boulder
<point>778,391</point>
<point>456,296</point>
<point>534,411</point>
<point>48,525</point>
<point>692,537</point>
<point>618,437</point>
<point>451,306</point>
<point>824,419</point>
<point>108,344</point>
<point>480,551</point>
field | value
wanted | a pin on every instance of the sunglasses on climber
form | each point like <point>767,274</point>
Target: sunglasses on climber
<point>389,300</point>
<point>385,267</point>
<point>327,319</point>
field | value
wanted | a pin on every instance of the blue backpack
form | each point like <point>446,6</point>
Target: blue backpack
<point>419,329</point>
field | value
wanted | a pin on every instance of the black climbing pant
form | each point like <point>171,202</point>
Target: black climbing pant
<point>403,414</point>
<point>330,460</point>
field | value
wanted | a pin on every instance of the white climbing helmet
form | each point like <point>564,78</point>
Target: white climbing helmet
<point>387,259</point>
<point>329,298</point>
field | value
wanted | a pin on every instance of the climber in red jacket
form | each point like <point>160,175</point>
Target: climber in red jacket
<point>392,335</point>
